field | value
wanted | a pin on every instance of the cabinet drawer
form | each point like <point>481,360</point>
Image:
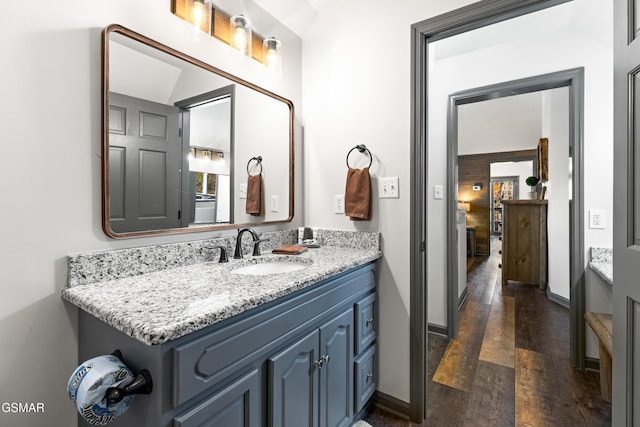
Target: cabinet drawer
<point>366,377</point>
<point>201,363</point>
<point>237,405</point>
<point>365,322</point>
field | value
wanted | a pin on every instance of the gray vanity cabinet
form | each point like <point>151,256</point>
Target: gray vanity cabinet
<point>238,405</point>
<point>311,381</point>
<point>291,361</point>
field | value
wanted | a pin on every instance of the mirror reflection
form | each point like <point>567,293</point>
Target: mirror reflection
<point>178,138</point>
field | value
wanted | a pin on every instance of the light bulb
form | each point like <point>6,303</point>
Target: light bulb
<point>241,34</point>
<point>272,55</point>
<point>198,13</point>
<point>200,18</point>
<point>241,40</point>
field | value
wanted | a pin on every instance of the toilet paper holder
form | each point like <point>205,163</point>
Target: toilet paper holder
<point>141,384</point>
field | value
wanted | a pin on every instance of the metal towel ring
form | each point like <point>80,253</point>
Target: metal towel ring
<point>259,161</point>
<point>361,148</point>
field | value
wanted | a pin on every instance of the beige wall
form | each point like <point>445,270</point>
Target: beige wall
<point>50,173</point>
<point>356,88</point>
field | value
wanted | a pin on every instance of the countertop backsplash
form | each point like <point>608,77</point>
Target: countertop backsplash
<point>95,267</point>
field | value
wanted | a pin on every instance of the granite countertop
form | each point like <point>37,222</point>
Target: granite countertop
<point>161,306</point>
<point>602,263</point>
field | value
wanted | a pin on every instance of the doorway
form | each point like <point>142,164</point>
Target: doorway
<point>471,17</point>
<point>501,188</point>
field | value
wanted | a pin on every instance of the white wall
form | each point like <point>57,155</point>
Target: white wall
<point>520,169</point>
<point>517,59</point>
<point>356,88</point>
<point>555,127</point>
<point>51,116</point>
<point>511,123</point>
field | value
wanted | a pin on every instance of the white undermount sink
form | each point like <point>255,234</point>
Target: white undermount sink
<point>270,267</point>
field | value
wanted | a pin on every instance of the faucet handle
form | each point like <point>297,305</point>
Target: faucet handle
<point>223,252</point>
<point>256,246</point>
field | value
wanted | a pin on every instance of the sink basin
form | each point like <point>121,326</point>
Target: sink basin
<point>270,267</point>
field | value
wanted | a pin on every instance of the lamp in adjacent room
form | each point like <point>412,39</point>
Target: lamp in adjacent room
<point>272,52</point>
<point>465,206</point>
<point>200,17</point>
<point>240,34</point>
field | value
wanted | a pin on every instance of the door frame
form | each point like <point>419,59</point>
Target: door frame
<point>574,80</point>
<point>475,15</point>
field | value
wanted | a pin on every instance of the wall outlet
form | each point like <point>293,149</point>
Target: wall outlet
<point>338,204</point>
<point>438,192</point>
<point>388,188</point>
<point>243,191</point>
<point>275,203</point>
<point>597,219</point>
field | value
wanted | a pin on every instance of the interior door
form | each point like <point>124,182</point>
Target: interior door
<point>626,224</point>
<point>145,147</point>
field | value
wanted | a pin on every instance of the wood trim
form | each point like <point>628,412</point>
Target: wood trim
<point>115,28</point>
<point>543,159</point>
<point>220,27</point>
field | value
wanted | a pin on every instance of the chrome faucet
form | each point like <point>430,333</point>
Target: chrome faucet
<point>256,243</point>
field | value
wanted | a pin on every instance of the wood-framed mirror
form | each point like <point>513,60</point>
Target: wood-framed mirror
<point>178,136</point>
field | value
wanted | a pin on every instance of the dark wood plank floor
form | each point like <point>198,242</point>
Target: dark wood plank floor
<point>509,365</point>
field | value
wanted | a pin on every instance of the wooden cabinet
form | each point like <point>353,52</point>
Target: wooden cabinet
<point>524,241</point>
<point>259,368</point>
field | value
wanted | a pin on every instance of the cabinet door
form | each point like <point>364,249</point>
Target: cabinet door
<point>336,374</point>
<point>238,405</point>
<point>294,385</point>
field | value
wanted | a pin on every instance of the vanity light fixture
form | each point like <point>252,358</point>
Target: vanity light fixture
<point>200,17</point>
<point>221,160</point>
<point>272,54</point>
<point>240,34</point>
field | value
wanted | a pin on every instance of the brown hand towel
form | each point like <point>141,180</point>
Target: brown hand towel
<point>255,195</point>
<point>357,194</point>
<point>289,250</point>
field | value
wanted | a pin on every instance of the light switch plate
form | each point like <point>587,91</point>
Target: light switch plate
<point>388,188</point>
<point>438,192</point>
<point>243,191</point>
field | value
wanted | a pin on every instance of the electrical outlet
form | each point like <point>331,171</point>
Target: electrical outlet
<point>438,192</point>
<point>243,191</point>
<point>388,188</point>
<point>275,203</point>
<point>338,204</point>
<point>597,219</point>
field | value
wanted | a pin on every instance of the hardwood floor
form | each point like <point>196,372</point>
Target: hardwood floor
<point>510,363</point>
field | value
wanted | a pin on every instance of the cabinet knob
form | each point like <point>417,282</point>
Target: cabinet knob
<point>368,322</point>
<point>500,252</point>
<point>499,265</point>
<point>320,362</point>
<point>369,377</point>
